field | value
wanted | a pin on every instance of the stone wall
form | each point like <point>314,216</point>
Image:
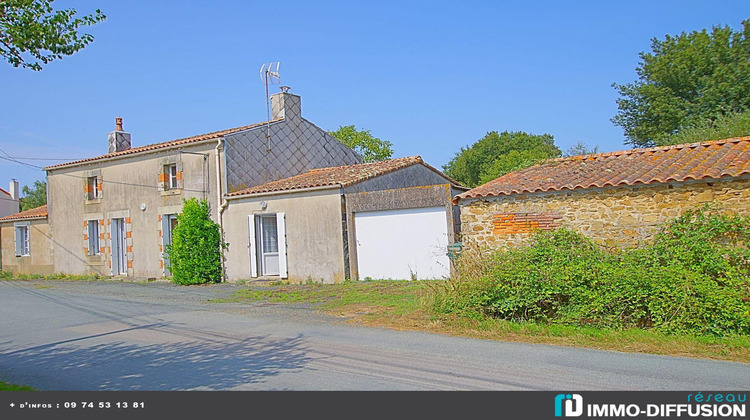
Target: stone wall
<point>613,216</point>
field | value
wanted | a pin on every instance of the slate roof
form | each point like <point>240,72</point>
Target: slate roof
<point>171,143</point>
<point>34,213</point>
<point>342,176</point>
<point>683,162</point>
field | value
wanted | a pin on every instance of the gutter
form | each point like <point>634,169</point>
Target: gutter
<point>281,192</point>
<point>222,206</point>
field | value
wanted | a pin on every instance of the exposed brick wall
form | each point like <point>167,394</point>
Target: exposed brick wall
<point>615,217</point>
<point>510,223</point>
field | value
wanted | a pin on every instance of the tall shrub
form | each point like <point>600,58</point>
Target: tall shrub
<point>195,252</point>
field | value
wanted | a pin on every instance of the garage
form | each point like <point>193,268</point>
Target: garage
<point>402,244</point>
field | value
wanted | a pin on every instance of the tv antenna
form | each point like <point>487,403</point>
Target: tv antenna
<point>269,74</point>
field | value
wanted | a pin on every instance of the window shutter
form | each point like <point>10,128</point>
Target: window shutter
<point>281,232</point>
<point>19,241</point>
<point>251,246</point>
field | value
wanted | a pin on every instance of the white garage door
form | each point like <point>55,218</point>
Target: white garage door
<point>402,244</point>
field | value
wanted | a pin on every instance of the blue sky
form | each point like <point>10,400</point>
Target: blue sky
<point>429,76</point>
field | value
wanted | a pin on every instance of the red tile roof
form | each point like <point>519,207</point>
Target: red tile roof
<point>34,213</point>
<point>156,146</point>
<point>694,161</point>
<point>342,176</point>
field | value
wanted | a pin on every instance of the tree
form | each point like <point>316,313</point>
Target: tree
<point>371,148</point>
<point>496,154</point>
<point>195,252</point>
<point>736,124</point>
<point>35,196</point>
<point>33,34</point>
<point>686,80</point>
<point>581,148</point>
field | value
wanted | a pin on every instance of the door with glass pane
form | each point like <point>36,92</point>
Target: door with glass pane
<point>268,244</point>
<point>119,248</point>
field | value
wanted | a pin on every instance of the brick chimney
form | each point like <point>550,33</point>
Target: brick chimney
<point>118,140</point>
<point>286,105</point>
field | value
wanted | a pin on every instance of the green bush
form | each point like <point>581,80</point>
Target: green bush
<point>195,252</point>
<point>693,278</point>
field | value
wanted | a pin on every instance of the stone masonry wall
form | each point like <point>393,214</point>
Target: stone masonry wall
<point>614,217</point>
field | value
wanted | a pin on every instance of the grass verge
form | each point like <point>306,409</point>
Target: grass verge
<point>5,386</point>
<point>405,305</point>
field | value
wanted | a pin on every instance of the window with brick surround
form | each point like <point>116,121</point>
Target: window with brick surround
<point>171,176</point>
<point>93,188</point>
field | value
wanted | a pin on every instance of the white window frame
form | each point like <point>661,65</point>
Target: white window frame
<point>22,240</point>
<point>93,234</point>
<point>93,183</point>
<point>171,171</point>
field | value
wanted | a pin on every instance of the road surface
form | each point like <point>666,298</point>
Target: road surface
<point>109,335</point>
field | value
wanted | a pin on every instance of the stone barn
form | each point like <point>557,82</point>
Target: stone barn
<point>618,199</point>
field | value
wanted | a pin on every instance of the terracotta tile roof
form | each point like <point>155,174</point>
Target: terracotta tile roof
<point>342,176</point>
<point>40,211</point>
<point>156,146</point>
<point>682,162</point>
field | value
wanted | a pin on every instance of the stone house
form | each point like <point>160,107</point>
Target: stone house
<point>25,242</point>
<point>113,214</point>
<point>286,194</point>
<point>618,199</point>
<point>382,220</point>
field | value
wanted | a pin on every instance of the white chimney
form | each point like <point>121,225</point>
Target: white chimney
<point>286,105</point>
<point>13,189</point>
<point>118,140</point>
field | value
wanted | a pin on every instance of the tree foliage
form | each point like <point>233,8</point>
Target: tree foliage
<point>684,81</point>
<point>33,197</point>
<point>581,148</point>
<point>195,252</point>
<point>33,34</point>
<point>736,124</point>
<point>496,154</point>
<point>371,148</point>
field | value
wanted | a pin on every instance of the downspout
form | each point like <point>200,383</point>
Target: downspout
<point>222,206</point>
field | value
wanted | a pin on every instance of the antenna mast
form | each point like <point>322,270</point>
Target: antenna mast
<point>269,74</point>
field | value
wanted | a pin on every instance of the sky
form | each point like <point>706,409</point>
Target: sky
<point>429,76</point>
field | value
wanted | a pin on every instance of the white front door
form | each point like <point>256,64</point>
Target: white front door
<point>268,245</point>
<point>402,244</point>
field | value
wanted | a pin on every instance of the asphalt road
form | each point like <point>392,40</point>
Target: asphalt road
<point>108,335</point>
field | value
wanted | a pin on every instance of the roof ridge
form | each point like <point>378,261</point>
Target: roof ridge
<point>415,157</point>
<point>175,142</point>
<point>650,149</point>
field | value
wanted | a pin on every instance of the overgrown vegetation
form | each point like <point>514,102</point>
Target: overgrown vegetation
<point>195,252</point>
<point>694,279</point>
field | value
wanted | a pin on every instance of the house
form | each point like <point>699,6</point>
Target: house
<point>9,200</point>
<point>113,214</point>
<point>382,220</point>
<point>618,199</point>
<point>25,242</point>
<point>291,200</point>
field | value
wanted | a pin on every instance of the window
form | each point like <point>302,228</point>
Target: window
<point>22,240</point>
<point>171,176</point>
<point>93,234</point>
<point>268,245</point>
<point>93,188</point>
